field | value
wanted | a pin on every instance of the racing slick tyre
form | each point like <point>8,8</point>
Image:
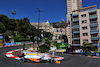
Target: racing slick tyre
<point>41,60</point>
<point>52,60</point>
<point>22,59</point>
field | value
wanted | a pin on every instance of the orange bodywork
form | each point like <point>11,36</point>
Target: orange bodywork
<point>35,59</point>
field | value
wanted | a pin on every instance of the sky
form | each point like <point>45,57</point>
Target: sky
<point>55,10</point>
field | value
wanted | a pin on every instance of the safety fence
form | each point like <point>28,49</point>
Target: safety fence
<point>16,44</point>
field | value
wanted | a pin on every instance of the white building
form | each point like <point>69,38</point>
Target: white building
<point>42,25</point>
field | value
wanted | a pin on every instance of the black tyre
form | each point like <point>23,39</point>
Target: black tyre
<point>22,59</point>
<point>52,60</point>
<point>41,61</point>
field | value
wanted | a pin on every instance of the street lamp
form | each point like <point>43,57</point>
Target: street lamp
<point>38,22</point>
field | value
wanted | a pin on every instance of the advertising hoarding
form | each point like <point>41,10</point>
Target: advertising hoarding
<point>62,45</point>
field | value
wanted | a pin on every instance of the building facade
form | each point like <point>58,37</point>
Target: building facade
<point>57,32</point>
<point>49,28</point>
<point>42,25</point>
<point>73,5</point>
<point>85,26</point>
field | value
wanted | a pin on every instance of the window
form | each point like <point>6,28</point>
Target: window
<point>85,34</point>
<point>84,21</point>
<point>84,28</point>
<point>84,15</point>
<point>85,40</point>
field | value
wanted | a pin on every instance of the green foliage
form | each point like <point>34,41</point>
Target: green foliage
<point>45,47</point>
<point>18,38</point>
<point>54,43</point>
<point>6,36</point>
<point>12,25</point>
<point>4,19</point>
<point>24,30</point>
<point>2,28</point>
<point>46,41</point>
<point>12,33</point>
<point>87,47</point>
<point>47,34</point>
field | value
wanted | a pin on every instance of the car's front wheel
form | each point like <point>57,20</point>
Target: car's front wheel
<point>22,59</point>
<point>52,60</point>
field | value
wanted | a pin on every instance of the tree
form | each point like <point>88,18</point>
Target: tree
<point>5,20</point>
<point>45,47</point>
<point>14,13</point>
<point>87,47</point>
<point>54,43</point>
<point>2,28</point>
<point>21,37</point>
<point>47,35</point>
<point>12,25</point>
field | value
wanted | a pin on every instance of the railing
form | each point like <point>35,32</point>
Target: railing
<point>75,19</point>
<point>94,29</point>
<point>76,42</point>
<point>92,16</point>
<point>76,37</point>
<point>94,37</point>
<point>75,24</point>
<point>92,22</point>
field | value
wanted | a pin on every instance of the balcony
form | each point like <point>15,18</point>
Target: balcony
<point>76,26</point>
<point>75,19</point>
<point>92,16</point>
<point>75,15</point>
<point>78,38</point>
<point>94,31</point>
<point>76,44</point>
<point>93,24</point>
<point>95,38</point>
<point>75,32</point>
<point>93,11</point>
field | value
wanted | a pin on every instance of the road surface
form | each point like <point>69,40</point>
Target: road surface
<point>69,61</point>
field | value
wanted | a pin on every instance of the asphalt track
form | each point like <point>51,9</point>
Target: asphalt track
<point>69,61</point>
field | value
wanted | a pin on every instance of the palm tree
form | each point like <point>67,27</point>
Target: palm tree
<point>14,12</point>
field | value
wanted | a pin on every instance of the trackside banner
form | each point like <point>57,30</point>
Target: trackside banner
<point>62,45</point>
<point>9,44</point>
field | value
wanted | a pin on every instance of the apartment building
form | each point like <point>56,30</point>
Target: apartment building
<point>73,5</point>
<point>72,8</point>
<point>85,26</point>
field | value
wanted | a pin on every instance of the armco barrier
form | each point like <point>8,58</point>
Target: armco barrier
<point>16,44</point>
<point>12,44</point>
<point>9,44</point>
